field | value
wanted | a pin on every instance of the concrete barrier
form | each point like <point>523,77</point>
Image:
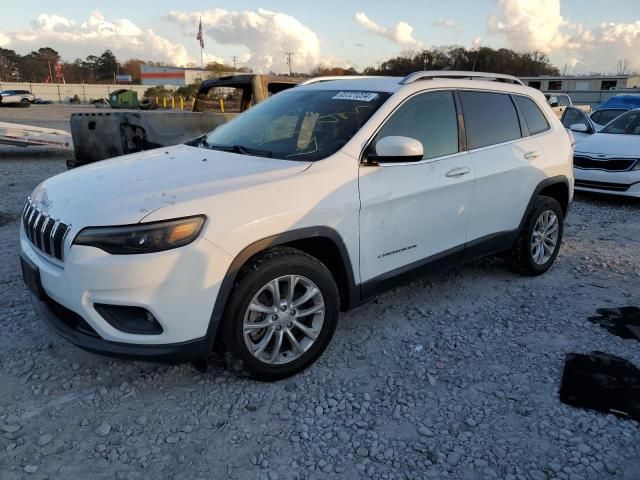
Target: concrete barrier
<point>62,93</point>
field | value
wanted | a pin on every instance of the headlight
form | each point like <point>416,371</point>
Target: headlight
<point>143,237</point>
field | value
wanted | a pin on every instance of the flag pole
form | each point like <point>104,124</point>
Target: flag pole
<point>201,45</point>
<point>200,38</point>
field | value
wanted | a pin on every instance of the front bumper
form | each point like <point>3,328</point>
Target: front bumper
<point>179,287</point>
<point>65,325</point>
<point>612,183</point>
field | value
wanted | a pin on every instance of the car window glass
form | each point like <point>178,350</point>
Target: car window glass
<point>533,117</point>
<point>299,123</point>
<point>605,116</point>
<point>564,101</point>
<point>627,124</point>
<point>224,99</point>
<point>429,118</point>
<point>490,118</point>
<point>573,116</point>
<point>275,87</point>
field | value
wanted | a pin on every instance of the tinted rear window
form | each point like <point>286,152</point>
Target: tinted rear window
<point>490,118</point>
<point>533,117</point>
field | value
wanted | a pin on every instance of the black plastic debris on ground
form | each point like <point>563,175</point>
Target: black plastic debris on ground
<point>623,322</point>
<point>602,382</point>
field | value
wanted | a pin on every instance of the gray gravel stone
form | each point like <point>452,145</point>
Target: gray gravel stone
<point>44,439</point>
<point>103,429</point>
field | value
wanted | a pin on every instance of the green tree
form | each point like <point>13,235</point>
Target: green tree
<point>107,65</point>
<point>484,59</point>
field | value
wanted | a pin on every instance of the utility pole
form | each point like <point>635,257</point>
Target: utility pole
<point>288,54</point>
<point>234,58</point>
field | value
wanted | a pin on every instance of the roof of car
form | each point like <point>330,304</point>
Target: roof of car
<point>393,84</point>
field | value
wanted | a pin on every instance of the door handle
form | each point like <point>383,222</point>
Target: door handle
<point>531,155</point>
<point>457,172</point>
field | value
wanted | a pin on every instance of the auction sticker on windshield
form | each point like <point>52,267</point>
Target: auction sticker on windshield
<point>355,95</point>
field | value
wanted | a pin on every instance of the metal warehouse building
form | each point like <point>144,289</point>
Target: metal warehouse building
<point>176,76</point>
<point>583,83</point>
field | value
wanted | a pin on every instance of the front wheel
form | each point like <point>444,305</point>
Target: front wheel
<point>281,315</point>
<point>539,242</point>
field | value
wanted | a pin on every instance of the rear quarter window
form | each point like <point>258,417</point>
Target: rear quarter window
<point>533,117</point>
<point>490,118</point>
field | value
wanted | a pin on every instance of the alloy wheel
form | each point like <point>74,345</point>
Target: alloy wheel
<point>545,237</point>
<point>283,319</point>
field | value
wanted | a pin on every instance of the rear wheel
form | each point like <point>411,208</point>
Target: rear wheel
<point>24,102</point>
<point>281,315</point>
<point>539,242</point>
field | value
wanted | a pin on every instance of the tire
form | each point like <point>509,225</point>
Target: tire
<point>255,287</point>
<point>25,103</point>
<point>524,257</point>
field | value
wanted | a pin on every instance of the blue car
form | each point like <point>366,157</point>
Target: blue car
<point>613,108</point>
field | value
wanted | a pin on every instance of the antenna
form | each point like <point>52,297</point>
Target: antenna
<point>234,58</point>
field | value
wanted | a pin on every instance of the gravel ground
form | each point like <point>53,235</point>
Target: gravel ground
<point>454,376</point>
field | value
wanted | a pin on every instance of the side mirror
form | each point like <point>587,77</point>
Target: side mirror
<point>579,127</point>
<point>397,149</point>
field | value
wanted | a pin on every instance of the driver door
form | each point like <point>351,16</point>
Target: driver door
<point>412,212</point>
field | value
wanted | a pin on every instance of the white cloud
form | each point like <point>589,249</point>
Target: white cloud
<point>442,23</point>
<point>96,34</point>
<point>401,32</point>
<point>267,36</point>
<point>477,43</point>
<point>529,25</point>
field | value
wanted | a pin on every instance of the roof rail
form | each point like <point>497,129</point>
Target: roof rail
<point>336,77</point>
<point>430,75</point>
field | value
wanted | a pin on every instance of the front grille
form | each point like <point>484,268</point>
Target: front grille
<point>614,187</point>
<point>45,233</point>
<point>608,164</point>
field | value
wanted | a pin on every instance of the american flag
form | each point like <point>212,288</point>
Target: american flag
<point>200,35</point>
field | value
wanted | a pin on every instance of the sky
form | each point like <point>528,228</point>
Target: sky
<point>580,35</point>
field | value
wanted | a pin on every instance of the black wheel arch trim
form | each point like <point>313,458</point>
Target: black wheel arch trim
<point>547,182</point>
<point>228,283</point>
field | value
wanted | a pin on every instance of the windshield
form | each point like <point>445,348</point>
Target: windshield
<point>627,124</point>
<point>302,124</point>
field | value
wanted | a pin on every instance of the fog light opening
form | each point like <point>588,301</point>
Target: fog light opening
<point>136,320</point>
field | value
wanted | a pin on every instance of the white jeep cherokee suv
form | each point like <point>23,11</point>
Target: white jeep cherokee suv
<point>252,238</point>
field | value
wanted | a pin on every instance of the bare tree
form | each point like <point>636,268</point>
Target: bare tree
<point>623,66</point>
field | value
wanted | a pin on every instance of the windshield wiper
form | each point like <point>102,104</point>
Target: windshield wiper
<point>239,149</point>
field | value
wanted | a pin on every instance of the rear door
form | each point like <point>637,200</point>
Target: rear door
<point>504,162</point>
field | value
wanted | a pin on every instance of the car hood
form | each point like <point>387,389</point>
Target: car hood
<point>126,189</point>
<point>610,144</point>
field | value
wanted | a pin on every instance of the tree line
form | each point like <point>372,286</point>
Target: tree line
<point>42,65</point>
<point>483,59</point>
